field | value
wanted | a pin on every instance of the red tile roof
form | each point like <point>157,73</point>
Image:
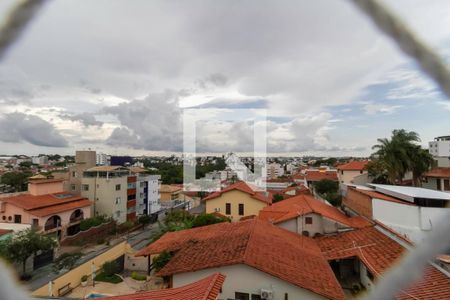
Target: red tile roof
<point>378,195</point>
<point>243,187</point>
<point>356,165</point>
<point>438,173</point>
<point>378,252</point>
<point>207,288</point>
<point>301,205</point>
<point>44,205</point>
<point>256,243</point>
<point>316,175</point>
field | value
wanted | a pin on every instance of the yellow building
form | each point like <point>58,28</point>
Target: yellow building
<point>237,201</point>
<point>170,192</point>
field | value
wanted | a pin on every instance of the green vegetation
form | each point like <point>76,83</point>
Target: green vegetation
<point>108,273</point>
<point>329,190</point>
<point>277,198</point>
<point>66,261</point>
<point>111,279</point>
<point>161,260</point>
<point>144,220</point>
<point>23,245</point>
<point>181,219</point>
<point>138,277</point>
<point>84,278</point>
<point>18,180</point>
<point>92,222</point>
<point>395,157</point>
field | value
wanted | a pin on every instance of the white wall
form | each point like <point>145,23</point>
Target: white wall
<point>242,278</point>
<point>413,221</point>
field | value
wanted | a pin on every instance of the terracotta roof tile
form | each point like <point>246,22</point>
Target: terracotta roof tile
<point>356,165</point>
<point>44,205</point>
<point>379,253</point>
<point>243,187</point>
<point>167,188</point>
<point>316,175</point>
<point>261,245</point>
<point>301,205</point>
<point>438,173</point>
<point>204,289</point>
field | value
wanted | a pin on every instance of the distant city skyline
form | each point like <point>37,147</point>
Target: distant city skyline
<point>116,77</point>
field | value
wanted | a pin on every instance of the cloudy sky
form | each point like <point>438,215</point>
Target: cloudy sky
<point>118,76</point>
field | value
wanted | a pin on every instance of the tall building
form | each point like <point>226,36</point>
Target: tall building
<point>274,170</point>
<point>440,149</point>
<point>121,193</point>
<point>83,161</point>
<point>40,160</point>
<point>102,159</point>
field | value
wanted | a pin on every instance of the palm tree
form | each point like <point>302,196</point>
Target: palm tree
<point>401,154</point>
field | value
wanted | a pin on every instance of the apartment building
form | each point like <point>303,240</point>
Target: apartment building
<point>102,159</point>
<point>40,160</point>
<point>83,160</point>
<point>440,150</point>
<point>120,192</point>
<point>274,170</point>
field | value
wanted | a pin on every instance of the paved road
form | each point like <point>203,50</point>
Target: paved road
<point>137,239</point>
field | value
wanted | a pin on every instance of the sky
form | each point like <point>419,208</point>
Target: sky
<point>119,76</point>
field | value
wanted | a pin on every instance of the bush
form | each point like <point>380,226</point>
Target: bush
<point>138,277</point>
<point>110,268</point>
<point>92,222</point>
<point>84,278</point>
<point>277,198</point>
<point>144,220</point>
<point>208,219</point>
<point>161,260</point>
<point>111,279</point>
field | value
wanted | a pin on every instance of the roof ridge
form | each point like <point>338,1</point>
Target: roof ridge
<point>250,236</point>
<point>215,277</point>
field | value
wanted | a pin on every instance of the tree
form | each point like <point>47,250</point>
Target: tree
<point>24,244</point>
<point>329,190</point>
<point>377,172</point>
<point>18,180</point>
<point>277,198</point>
<point>161,260</point>
<point>144,220</point>
<point>399,155</point>
<point>208,219</point>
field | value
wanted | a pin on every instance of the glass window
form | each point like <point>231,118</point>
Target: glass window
<point>241,296</point>
<point>85,187</point>
<point>308,220</point>
<point>118,200</point>
<point>228,208</point>
<point>241,209</point>
<point>73,187</point>
<point>117,187</point>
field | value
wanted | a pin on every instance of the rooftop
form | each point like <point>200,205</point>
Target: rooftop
<point>243,187</point>
<point>356,165</point>
<point>106,169</point>
<point>409,193</point>
<point>316,175</point>
<point>44,205</point>
<point>438,173</point>
<point>378,252</point>
<point>291,257</point>
<point>304,204</point>
<point>167,188</point>
<point>204,289</point>
<point>377,195</point>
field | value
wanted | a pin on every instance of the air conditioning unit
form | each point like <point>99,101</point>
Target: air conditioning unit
<point>266,294</point>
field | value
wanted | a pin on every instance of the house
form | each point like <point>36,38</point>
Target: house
<point>411,211</point>
<point>291,191</point>
<point>312,176</point>
<point>278,183</point>
<point>46,208</point>
<point>237,200</point>
<point>170,192</point>
<point>360,257</point>
<point>255,256</point>
<point>309,216</point>
<point>353,172</point>
<point>207,288</point>
<point>437,179</point>
<point>440,150</point>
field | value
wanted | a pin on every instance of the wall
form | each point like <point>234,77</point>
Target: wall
<point>83,160</point>
<point>431,183</point>
<point>251,205</point>
<point>358,202</point>
<point>242,278</point>
<point>74,276</point>
<point>412,221</point>
<point>347,176</point>
<point>93,234</point>
<point>105,191</point>
<point>37,189</point>
<point>365,280</point>
<point>443,162</point>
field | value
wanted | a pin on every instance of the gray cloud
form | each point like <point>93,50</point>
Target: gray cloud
<point>87,119</point>
<point>19,127</point>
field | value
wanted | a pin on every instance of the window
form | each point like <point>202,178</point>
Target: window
<point>228,208</point>
<point>117,187</point>
<point>18,219</point>
<point>360,172</point>
<point>308,220</point>
<point>73,187</point>
<point>74,174</point>
<point>118,200</point>
<point>241,209</point>
<point>446,185</point>
<point>35,222</point>
<point>241,296</point>
<point>438,184</point>
<point>85,187</point>
<point>256,297</point>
